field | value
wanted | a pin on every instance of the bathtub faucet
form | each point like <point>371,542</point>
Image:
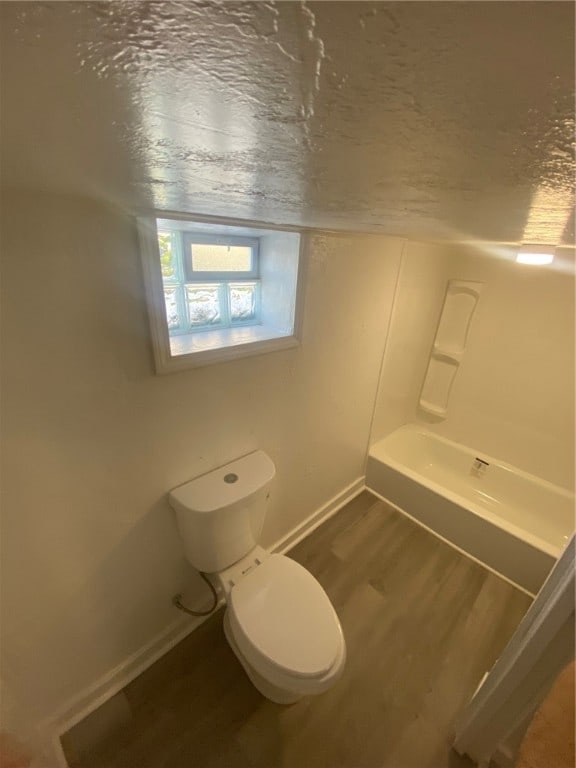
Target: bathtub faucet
<point>479,467</point>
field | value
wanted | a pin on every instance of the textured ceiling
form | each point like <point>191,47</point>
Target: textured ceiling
<point>434,119</point>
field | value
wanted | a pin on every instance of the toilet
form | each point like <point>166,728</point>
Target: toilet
<point>279,621</point>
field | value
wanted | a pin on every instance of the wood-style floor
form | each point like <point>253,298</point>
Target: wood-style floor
<point>422,625</point>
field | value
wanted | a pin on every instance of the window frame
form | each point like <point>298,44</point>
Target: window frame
<point>233,343</point>
<point>222,281</point>
<point>189,238</point>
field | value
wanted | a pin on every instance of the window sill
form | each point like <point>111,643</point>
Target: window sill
<point>206,347</point>
<point>280,303</point>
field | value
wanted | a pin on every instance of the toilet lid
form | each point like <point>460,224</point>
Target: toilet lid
<point>285,615</point>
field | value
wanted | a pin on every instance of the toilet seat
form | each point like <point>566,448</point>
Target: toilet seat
<point>281,617</point>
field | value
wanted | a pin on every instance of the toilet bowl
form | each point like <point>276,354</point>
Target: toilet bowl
<point>279,621</point>
<point>284,631</point>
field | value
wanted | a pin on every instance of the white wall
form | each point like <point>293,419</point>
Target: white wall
<point>513,395</point>
<point>279,252</point>
<point>92,439</point>
<point>417,305</point>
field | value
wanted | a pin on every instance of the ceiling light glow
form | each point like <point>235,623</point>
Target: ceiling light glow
<point>535,255</point>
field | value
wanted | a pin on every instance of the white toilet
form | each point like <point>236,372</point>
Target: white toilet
<point>279,621</point>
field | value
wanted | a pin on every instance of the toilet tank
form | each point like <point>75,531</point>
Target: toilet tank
<point>220,514</point>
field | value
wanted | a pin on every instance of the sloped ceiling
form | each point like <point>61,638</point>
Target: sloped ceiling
<point>428,119</point>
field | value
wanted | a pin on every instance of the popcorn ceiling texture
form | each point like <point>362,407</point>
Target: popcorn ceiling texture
<point>427,119</point>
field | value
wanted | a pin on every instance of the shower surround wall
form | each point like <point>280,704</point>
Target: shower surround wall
<point>417,306</point>
<point>513,395</point>
<point>93,440</point>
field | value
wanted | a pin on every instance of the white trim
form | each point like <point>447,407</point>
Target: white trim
<point>147,234</point>
<point>92,697</point>
<point>447,541</point>
<point>536,653</point>
<point>192,275</point>
<point>225,350</point>
<point>301,282</point>
<point>316,519</point>
<point>222,354</point>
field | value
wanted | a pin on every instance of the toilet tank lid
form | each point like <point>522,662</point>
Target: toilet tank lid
<point>226,485</point>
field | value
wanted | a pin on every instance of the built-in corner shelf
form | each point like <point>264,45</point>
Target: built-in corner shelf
<point>446,354</point>
<point>433,410</point>
<point>449,345</point>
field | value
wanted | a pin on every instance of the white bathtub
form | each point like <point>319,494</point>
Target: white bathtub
<point>513,522</point>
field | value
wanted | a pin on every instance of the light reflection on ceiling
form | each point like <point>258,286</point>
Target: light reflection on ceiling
<point>426,119</point>
<point>551,215</point>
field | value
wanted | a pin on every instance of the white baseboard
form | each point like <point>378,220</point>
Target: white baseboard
<point>86,702</point>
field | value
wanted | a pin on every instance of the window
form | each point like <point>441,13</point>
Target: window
<point>219,291</point>
<point>209,281</point>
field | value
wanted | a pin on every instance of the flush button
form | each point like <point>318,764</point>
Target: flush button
<point>230,478</point>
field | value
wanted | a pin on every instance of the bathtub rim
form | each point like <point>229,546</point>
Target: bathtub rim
<point>378,453</point>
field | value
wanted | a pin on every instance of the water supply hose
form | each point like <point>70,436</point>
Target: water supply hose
<point>177,600</point>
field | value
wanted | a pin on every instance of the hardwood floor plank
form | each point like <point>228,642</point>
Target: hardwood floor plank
<point>422,624</point>
<point>320,540</point>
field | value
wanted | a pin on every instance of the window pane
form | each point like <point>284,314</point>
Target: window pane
<point>242,301</point>
<point>221,258</point>
<point>171,301</point>
<point>203,304</point>
<point>167,262</point>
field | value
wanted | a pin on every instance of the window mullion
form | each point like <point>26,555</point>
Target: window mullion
<point>182,308</point>
<point>224,296</point>
<point>258,300</point>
